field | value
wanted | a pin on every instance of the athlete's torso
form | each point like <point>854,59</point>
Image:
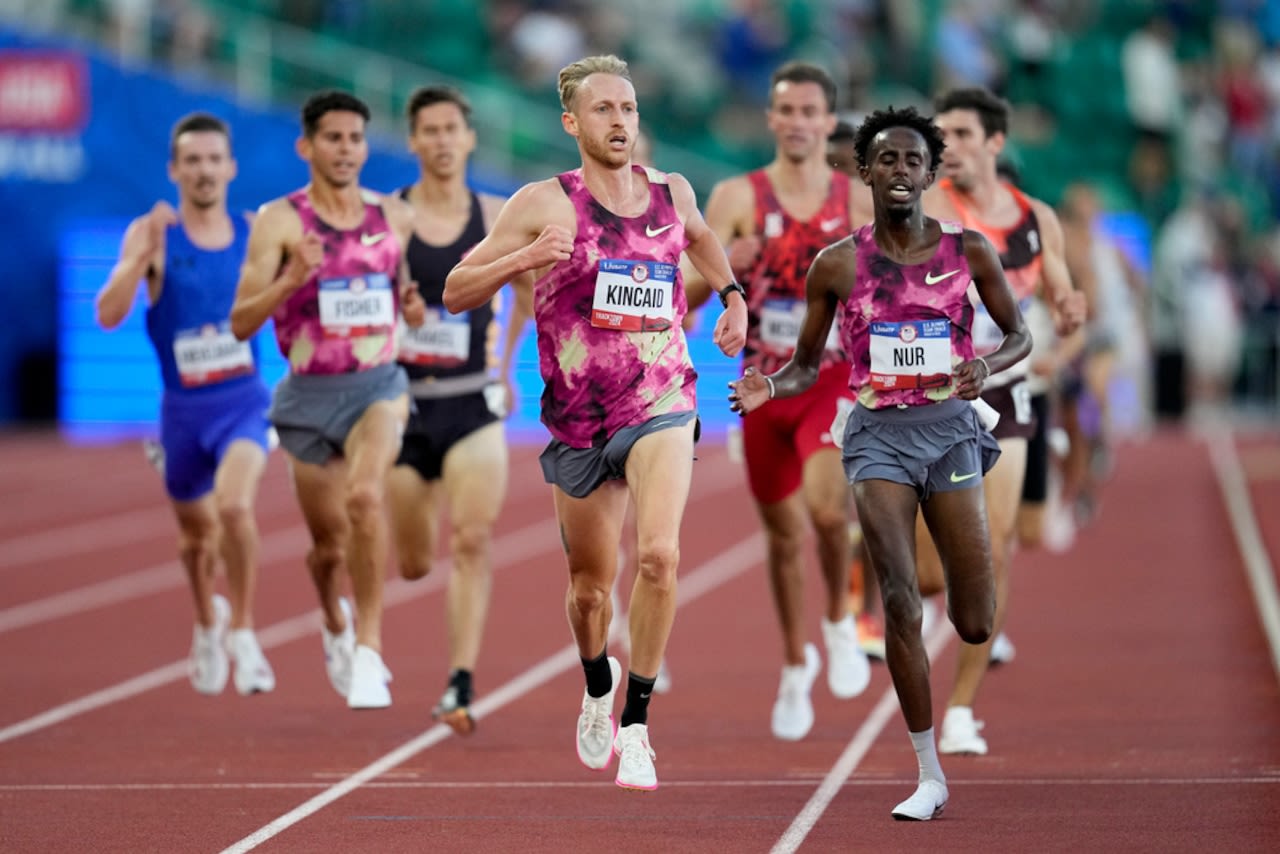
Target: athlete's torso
<point>906,327</point>
<point>1021,256</point>
<point>446,345</point>
<point>610,345</point>
<point>189,325</point>
<point>775,285</point>
<point>343,318</point>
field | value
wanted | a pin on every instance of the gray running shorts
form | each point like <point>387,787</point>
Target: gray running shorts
<point>935,447</point>
<point>313,413</point>
<point>578,471</point>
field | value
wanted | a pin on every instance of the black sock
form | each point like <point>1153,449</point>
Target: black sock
<point>460,680</point>
<point>599,677</point>
<point>636,711</point>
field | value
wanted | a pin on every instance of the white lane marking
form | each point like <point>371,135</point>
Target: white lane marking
<point>857,748</point>
<point>700,581</point>
<point>1253,550</point>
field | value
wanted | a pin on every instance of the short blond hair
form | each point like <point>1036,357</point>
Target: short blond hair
<point>572,75</point>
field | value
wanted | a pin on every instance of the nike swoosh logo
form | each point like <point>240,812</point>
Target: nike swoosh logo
<point>650,231</point>
<point>931,279</point>
<point>961,478</point>
<point>829,224</point>
<point>372,239</point>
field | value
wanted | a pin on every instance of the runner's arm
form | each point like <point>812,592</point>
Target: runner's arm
<point>264,281</point>
<point>1002,305</point>
<point>141,257</point>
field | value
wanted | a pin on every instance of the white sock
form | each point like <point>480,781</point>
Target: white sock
<point>927,756</point>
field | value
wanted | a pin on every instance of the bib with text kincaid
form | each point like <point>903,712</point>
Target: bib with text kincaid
<point>210,354</point>
<point>634,296</point>
<point>357,305</point>
<point>780,323</point>
<point>910,354</point>
<point>443,340</point>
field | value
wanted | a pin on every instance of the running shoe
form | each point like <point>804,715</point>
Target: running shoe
<point>635,759</point>
<point>207,666</point>
<point>848,671</point>
<point>596,729</point>
<point>369,678</point>
<point>456,715</point>
<point>339,650</point>
<point>793,710</point>
<point>960,733</point>
<point>926,803</point>
<point>253,675</point>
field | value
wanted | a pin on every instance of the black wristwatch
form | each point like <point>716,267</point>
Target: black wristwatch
<point>730,288</point>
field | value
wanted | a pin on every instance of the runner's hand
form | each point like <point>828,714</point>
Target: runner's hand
<point>731,329</point>
<point>305,257</point>
<point>412,307</point>
<point>555,243</point>
<point>160,217</point>
<point>1070,312</point>
<point>748,393</point>
<point>970,377</point>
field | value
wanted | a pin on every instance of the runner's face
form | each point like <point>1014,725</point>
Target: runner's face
<point>842,157</point>
<point>970,153</point>
<point>202,167</point>
<point>441,140</point>
<point>605,119</point>
<point>338,149</point>
<point>799,120</point>
<point>898,170</point>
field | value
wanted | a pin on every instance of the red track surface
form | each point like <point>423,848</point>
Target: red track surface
<point>1142,712</point>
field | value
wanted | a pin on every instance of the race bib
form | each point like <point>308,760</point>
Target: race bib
<point>780,324</point>
<point>210,354</point>
<point>443,340</point>
<point>910,354</point>
<point>634,296</point>
<point>357,305</point>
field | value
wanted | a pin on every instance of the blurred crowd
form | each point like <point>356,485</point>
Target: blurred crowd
<point>1188,93</point>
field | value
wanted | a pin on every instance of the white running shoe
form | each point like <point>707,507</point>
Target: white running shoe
<point>635,759</point>
<point>848,670</point>
<point>253,673</point>
<point>662,682</point>
<point>793,710</point>
<point>1002,649</point>
<point>595,724</point>
<point>960,733</point>
<point>369,678</point>
<point>339,650</point>
<point>928,616</point>
<point>927,802</point>
<point>207,666</point>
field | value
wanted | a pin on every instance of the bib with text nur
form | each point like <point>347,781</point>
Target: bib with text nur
<point>210,354</point>
<point>780,323</point>
<point>443,340</point>
<point>910,354</point>
<point>634,296</point>
<point>357,305</point>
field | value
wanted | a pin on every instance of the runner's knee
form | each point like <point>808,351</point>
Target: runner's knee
<point>470,544</point>
<point>364,505</point>
<point>657,564</point>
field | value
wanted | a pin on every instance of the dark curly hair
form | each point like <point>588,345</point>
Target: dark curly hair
<point>891,118</point>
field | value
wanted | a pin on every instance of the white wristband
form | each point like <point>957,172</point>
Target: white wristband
<point>772,391</point>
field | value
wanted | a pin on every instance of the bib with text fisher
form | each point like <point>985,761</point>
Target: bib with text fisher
<point>357,305</point>
<point>780,322</point>
<point>210,354</point>
<point>634,296</point>
<point>443,340</point>
<point>910,354</point>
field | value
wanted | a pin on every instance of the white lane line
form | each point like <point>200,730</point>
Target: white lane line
<point>700,581</point>
<point>530,541</point>
<point>1253,551</point>
<point>120,529</point>
<point>500,785</point>
<point>280,545</point>
<point>862,741</point>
